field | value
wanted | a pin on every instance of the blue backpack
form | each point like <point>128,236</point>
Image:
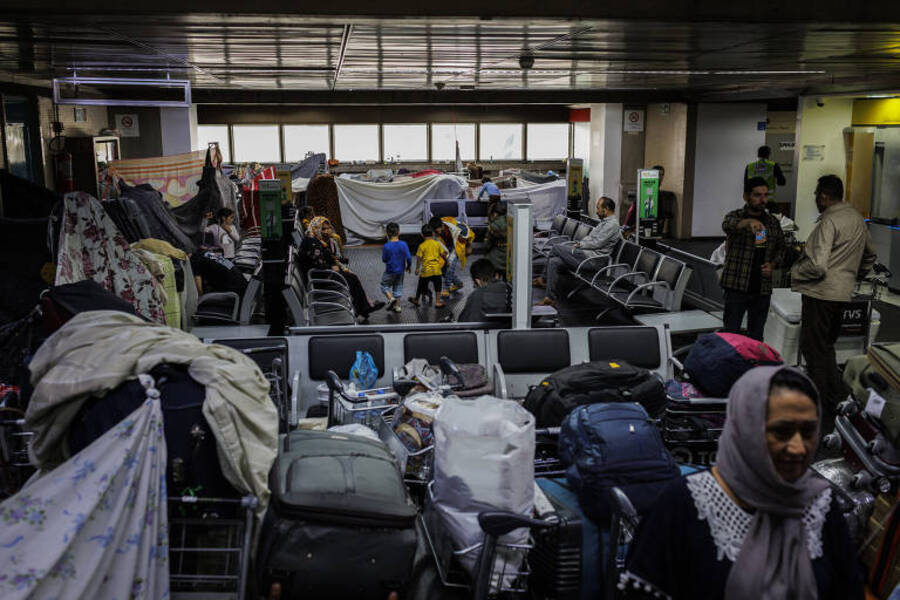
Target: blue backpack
<point>614,444</point>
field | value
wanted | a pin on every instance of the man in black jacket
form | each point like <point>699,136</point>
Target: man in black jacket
<point>491,294</point>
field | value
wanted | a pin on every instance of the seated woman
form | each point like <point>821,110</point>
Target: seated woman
<point>496,237</point>
<point>316,253</point>
<point>760,524</point>
<point>224,234</point>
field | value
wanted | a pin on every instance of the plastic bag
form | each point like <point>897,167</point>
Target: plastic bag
<point>363,373</point>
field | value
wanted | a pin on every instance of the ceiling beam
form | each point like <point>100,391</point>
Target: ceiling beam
<point>345,40</point>
<point>759,11</point>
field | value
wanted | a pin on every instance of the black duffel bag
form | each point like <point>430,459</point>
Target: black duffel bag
<point>589,383</point>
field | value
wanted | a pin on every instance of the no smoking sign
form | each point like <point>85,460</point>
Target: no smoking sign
<point>634,120</point>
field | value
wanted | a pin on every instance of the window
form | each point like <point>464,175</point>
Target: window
<point>582,142</point>
<point>405,142</point>
<point>501,141</point>
<point>206,134</point>
<point>548,141</point>
<point>444,137</point>
<point>355,142</point>
<point>256,143</point>
<point>300,139</point>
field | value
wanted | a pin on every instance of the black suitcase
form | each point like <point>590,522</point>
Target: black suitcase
<point>566,560</point>
<point>340,523</point>
<point>593,382</point>
<point>192,460</point>
<point>691,428</point>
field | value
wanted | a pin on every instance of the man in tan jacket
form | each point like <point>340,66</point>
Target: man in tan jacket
<point>838,252</point>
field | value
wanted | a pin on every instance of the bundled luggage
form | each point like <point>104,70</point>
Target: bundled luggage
<point>609,445</point>
<point>340,523</point>
<point>719,359</point>
<point>192,466</point>
<point>589,383</point>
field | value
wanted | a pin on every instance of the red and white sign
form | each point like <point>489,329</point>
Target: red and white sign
<point>127,125</point>
<point>634,120</point>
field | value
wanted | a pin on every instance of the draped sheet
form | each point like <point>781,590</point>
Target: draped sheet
<point>547,200</point>
<point>96,526</point>
<point>92,247</point>
<point>367,207</point>
<point>176,176</point>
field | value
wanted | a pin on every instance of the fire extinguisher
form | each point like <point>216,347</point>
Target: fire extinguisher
<point>64,181</point>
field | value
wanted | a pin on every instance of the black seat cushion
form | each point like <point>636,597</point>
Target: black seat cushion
<point>458,346</point>
<point>533,350</point>
<point>639,346</point>
<point>444,209</point>
<point>476,208</point>
<point>338,352</point>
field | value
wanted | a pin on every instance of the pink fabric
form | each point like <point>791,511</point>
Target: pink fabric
<point>91,247</point>
<point>427,172</point>
<point>750,349</point>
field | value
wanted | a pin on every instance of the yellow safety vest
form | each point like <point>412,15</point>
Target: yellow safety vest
<point>765,169</point>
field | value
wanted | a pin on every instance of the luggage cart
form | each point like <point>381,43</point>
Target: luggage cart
<point>491,577</point>
<point>417,466</point>
<point>15,468</point>
<point>363,407</point>
<point>271,355</point>
<point>209,547</point>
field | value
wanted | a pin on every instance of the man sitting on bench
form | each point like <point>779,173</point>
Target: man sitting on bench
<point>491,295</point>
<point>599,242</point>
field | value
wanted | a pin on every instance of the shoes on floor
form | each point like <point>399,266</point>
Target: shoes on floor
<point>439,304</point>
<point>455,288</point>
<point>445,293</point>
<point>413,300</point>
<point>377,305</point>
<point>538,282</point>
<point>397,308</point>
<point>392,303</point>
<point>546,301</point>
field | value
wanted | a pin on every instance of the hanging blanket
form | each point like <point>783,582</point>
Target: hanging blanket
<point>547,200</point>
<point>176,177</point>
<point>91,247</point>
<point>96,526</point>
<point>96,351</point>
<point>367,207</point>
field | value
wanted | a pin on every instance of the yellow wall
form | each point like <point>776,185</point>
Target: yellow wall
<point>819,126</point>
<point>884,111</point>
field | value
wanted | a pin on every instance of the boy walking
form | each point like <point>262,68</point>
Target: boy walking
<point>397,259</point>
<point>431,257</point>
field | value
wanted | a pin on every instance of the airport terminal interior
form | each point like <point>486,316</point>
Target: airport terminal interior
<point>401,301</point>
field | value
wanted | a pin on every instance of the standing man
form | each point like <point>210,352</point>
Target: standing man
<point>753,249</point>
<point>838,251</point>
<point>599,242</point>
<point>767,169</point>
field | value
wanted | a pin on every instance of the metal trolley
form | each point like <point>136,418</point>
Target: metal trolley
<point>209,547</point>
<point>271,356</point>
<point>15,468</point>
<point>490,577</point>
<point>363,407</point>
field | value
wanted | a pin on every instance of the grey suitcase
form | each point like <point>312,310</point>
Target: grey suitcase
<point>339,507</point>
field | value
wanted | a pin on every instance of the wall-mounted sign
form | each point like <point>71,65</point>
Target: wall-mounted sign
<point>786,146</point>
<point>633,120</point>
<point>814,152</point>
<point>127,125</point>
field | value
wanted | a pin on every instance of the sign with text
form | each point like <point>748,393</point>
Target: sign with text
<point>633,120</point>
<point>270,208</point>
<point>648,193</point>
<point>127,125</point>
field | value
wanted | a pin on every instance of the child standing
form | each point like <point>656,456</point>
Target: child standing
<point>431,257</point>
<point>397,259</point>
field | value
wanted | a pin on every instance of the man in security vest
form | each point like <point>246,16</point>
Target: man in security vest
<point>766,169</point>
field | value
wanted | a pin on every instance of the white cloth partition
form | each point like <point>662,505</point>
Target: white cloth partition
<point>367,207</point>
<point>547,200</point>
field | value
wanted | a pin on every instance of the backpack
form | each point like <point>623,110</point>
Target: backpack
<point>614,444</point>
<point>717,360</point>
<point>588,383</point>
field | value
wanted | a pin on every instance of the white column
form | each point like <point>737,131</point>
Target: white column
<point>605,164</point>
<point>175,127</point>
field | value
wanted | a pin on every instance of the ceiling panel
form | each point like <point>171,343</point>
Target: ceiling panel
<point>258,53</point>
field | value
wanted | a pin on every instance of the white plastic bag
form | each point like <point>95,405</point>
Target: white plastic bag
<point>484,460</point>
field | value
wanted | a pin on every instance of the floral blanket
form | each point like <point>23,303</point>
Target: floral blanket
<point>92,247</point>
<point>96,526</point>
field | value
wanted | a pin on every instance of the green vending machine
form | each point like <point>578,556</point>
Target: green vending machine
<point>270,208</point>
<point>647,225</point>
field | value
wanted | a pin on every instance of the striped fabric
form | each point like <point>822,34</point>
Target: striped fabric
<point>176,176</point>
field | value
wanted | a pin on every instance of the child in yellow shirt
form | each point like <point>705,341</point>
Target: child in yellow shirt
<point>430,259</point>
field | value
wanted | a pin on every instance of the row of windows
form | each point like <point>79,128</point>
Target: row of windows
<point>496,141</point>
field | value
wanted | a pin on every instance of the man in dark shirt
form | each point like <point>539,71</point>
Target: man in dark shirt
<point>491,294</point>
<point>753,249</point>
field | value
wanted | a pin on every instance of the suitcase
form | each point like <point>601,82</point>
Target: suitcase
<point>192,465</point>
<point>691,428</point>
<point>566,560</point>
<point>856,504</point>
<point>860,438</point>
<point>340,523</point>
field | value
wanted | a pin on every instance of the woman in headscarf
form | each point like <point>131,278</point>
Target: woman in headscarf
<point>316,253</point>
<point>759,525</point>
